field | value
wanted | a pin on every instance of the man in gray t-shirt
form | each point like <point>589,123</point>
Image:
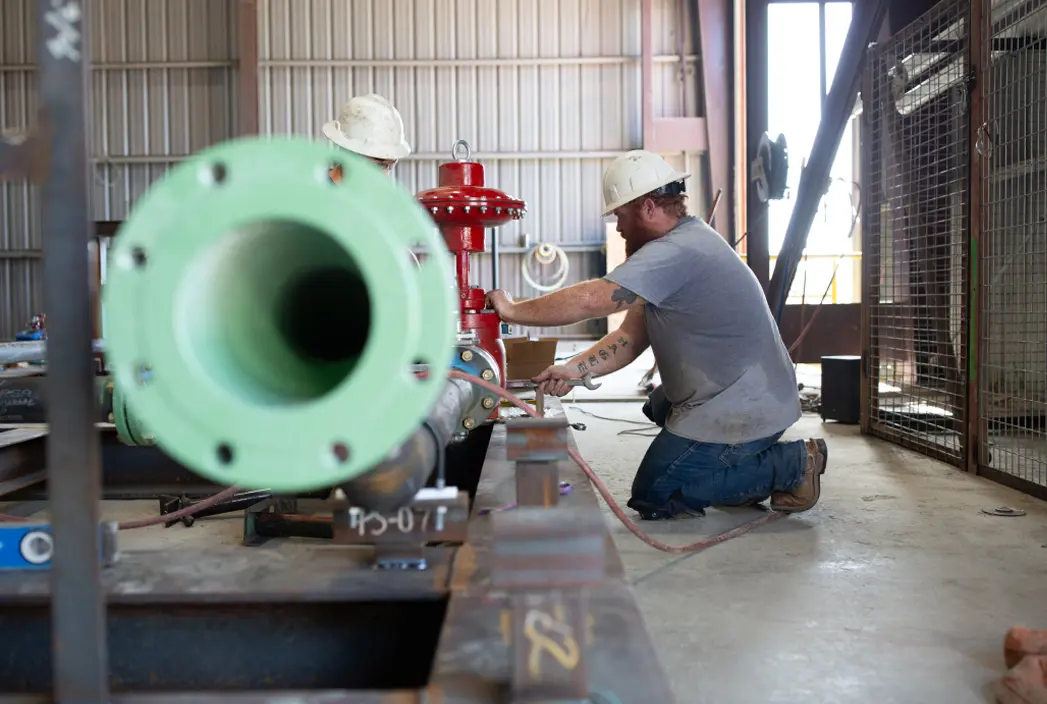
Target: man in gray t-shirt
<point>728,385</point>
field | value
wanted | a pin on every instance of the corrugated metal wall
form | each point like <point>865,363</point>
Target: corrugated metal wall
<point>545,91</point>
<point>162,87</point>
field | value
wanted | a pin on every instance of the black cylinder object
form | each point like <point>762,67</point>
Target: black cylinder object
<point>393,483</point>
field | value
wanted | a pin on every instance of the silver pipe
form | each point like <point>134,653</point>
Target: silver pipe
<point>33,351</point>
<point>153,159</point>
<point>392,484</point>
<point>131,66</point>
<point>521,62</point>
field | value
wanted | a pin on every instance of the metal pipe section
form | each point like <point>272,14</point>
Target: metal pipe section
<point>395,481</point>
<point>24,352</point>
<point>266,336</point>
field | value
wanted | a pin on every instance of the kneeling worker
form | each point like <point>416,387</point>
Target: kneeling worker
<point>370,126</point>
<point>728,385</point>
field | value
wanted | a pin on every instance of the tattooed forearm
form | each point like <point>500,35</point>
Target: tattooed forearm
<point>610,354</point>
<point>623,297</point>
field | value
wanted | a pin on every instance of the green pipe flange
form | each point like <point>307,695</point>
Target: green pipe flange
<point>263,321</point>
<point>129,429</point>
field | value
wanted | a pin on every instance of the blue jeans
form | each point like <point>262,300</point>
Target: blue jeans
<point>678,474</point>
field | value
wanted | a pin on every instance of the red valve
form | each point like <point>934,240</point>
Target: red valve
<point>463,208</point>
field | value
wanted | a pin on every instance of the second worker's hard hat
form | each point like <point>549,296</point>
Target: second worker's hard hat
<point>637,173</point>
<point>371,126</point>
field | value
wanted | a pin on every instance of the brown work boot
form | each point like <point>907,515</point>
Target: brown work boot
<point>748,503</point>
<point>806,495</point>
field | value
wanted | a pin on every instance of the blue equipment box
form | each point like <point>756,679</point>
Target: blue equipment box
<point>30,546</point>
<point>26,546</point>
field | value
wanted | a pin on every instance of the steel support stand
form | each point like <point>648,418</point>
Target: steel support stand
<point>546,557</point>
<point>547,560</point>
<point>78,618</point>
<point>537,445</point>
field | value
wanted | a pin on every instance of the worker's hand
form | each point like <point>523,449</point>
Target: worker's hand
<point>502,303</point>
<point>553,380</point>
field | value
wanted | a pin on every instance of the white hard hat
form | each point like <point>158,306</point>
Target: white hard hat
<point>636,174</point>
<point>371,126</point>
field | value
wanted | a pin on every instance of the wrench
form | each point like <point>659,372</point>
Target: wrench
<point>539,395</point>
<point>586,381</point>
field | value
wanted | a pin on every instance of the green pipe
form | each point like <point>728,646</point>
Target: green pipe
<point>262,321</point>
<point>129,427</point>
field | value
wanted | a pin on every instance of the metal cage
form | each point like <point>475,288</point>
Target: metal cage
<point>915,175</point>
<point>1011,141</point>
<point>955,269</point>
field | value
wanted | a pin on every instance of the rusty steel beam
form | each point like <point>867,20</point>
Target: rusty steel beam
<point>78,617</point>
<point>537,445</point>
<point>978,67</point>
<point>247,75</point>
<point>716,29</point>
<point>865,26</point>
<point>547,559</point>
<point>757,249</point>
<point>870,245</point>
<point>739,169</point>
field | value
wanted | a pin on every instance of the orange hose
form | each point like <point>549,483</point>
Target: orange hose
<point>181,513</point>
<point>222,495</point>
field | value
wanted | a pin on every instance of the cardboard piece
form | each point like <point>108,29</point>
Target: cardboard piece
<point>526,359</point>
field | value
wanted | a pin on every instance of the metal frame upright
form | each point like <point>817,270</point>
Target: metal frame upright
<point>78,611</point>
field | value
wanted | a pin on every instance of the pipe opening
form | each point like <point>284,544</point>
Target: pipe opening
<point>276,312</point>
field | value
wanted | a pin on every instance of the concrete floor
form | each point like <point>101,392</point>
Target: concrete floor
<point>895,588</point>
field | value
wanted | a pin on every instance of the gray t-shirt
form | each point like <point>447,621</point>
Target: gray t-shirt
<point>722,362</point>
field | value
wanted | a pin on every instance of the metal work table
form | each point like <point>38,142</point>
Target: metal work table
<point>290,619</point>
<point>623,665</point>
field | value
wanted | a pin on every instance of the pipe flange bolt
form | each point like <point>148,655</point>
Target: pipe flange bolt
<point>264,321</point>
<point>478,362</point>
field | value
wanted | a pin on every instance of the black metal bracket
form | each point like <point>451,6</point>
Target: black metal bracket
<point>237,502</point>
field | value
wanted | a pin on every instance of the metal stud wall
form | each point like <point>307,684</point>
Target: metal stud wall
<point>163,77</point>
<point>916,235</point>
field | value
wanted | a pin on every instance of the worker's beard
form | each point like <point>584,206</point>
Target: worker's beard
<point>634,242</point>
